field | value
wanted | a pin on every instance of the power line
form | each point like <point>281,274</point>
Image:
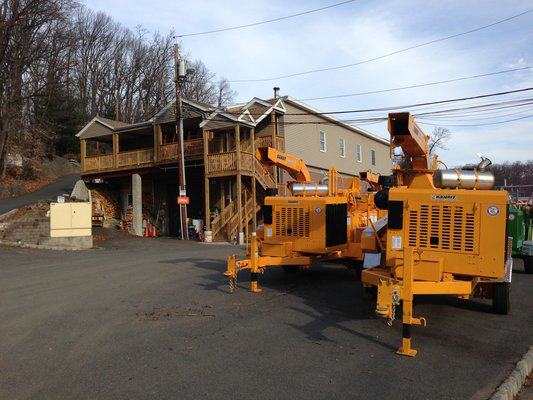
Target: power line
<point>266,21</point>
<point>419,85</point>
<point>378,118</point>
<point>472,118</point>
<point>482,114</point>
<point>488,123</point>
<point>384,55</point>
<point>389,108</point>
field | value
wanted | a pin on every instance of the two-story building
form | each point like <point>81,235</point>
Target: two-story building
<point>135,165</point>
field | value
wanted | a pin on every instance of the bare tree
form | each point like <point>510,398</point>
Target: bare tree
<point>515,173</point>
<point>61,64</point>
<point>438,139</point>
<point>226,95</point>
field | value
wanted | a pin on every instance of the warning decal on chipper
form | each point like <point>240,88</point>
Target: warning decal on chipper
<point>493,211</point>
<point>442,197</point>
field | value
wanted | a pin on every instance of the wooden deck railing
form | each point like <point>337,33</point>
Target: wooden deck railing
<point>227,161</point>
<point>135,157</point>
<point>266,141</point>
<point>96,163</point>
<point>194,147</point>
<point>168,151</point>
<point>191,148</point>
<point>263,141</point>
<point>221,162</point>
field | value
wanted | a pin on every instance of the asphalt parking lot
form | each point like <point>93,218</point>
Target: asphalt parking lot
<point>152,318</point>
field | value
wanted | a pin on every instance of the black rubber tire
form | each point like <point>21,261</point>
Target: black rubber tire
<point>290,269</point>
<point>371,293</point>
<point>528,264</point>
<point>501,303</point>
<point>357,266</point>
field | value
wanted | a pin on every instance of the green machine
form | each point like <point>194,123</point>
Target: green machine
<point>519,227</point>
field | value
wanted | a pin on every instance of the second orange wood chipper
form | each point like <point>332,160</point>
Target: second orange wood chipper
<point>318,222</point>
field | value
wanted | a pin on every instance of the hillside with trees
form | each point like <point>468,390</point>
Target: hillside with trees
<point>61,64</point>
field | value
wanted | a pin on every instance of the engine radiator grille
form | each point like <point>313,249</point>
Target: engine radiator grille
<point>443,227</point>
<point>292,222</point>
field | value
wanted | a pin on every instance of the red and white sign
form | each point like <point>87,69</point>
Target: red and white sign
<point>183,200</point>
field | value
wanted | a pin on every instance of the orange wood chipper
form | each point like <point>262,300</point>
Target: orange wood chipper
<point>444,234</point>
<point>318,222</point>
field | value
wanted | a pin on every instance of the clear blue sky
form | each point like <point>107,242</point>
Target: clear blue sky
<point>358,31</point>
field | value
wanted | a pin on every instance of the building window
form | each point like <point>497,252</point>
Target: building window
<point>358,155</point>
<point>373,155</point>
<point>322,141</point>
<point>342,147</point>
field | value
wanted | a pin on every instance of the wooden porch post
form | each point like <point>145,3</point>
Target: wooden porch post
<point>83,153</point>
<point>206,182</point>
<point>115,150</point>
<point>254,214</point>
<point>156,142</point>
<point>239,178</point>
<point>273,123</point>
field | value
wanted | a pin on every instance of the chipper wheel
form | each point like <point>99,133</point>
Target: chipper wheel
<point>528,264</point>
<point>357,266</point>
<point>500,298</point>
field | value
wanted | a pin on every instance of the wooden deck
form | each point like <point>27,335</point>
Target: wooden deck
<point>122,160</point>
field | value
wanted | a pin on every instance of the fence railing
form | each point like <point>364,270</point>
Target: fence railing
<point>96,163</point>
<point>221,162</point>
<point>135,157</point>
<point>191,148</point>
<point>266,141</point>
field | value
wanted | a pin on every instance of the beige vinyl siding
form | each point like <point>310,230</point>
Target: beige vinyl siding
<point>96,129</point>
<point>303,141</point>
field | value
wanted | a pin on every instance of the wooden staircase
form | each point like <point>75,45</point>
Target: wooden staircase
<point>233,223</point>
<point>263,176</point>
<point>228,219</point>
<point>223,218</point>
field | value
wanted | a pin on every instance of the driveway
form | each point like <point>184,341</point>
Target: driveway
<point>61,186</point>
<point>152,318</point>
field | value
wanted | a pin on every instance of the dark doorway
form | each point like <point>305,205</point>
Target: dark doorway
<point>173,210</point>
<point>195,191</point>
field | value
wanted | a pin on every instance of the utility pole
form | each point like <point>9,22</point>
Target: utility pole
<point>181,72</point>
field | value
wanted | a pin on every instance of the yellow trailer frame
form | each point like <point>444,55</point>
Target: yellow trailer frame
<point>257,263</point>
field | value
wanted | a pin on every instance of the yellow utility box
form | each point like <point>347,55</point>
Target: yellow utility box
<point>70,219</point>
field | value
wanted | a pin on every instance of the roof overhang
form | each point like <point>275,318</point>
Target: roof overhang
<point>81,133</point>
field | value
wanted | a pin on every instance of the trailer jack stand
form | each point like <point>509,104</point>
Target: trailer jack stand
<point>231,273</point>
<point>408,322</point>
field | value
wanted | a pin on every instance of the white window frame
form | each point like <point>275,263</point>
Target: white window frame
<point>320,135</point>
<point>342,147</point>
<point>373,156</point>
<point>358,153</point>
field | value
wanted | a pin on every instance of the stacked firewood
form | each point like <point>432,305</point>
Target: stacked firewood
<point>105,202</point>
<point>128,218</point>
